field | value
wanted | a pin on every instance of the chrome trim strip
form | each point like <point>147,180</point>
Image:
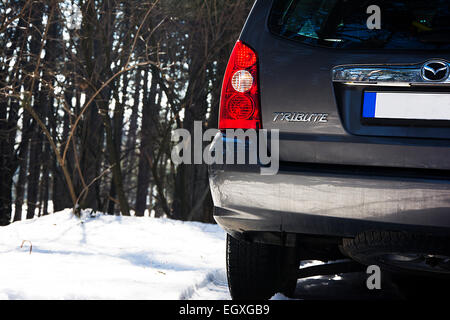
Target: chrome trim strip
<point>379,84</point>
<point>382,75</point>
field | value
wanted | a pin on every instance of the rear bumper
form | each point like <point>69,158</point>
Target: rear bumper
<point>314,200</point>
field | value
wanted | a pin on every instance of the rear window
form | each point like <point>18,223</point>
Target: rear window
<point>407,24</point>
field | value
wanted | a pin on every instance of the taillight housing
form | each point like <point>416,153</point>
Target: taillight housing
<point>239,101</point>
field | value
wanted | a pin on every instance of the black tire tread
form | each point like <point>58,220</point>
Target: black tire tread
<point>396,241</point>
<point>369,243</point>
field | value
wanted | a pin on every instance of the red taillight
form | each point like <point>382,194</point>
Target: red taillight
<point>239,102</point>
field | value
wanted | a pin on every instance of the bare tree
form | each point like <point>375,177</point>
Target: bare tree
<point>86,114</point>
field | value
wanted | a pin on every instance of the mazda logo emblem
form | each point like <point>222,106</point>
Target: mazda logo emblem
<point>435,71</point>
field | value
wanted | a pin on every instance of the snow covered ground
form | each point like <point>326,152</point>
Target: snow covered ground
<point>109,257</point>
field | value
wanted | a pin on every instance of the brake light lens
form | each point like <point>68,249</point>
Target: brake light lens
<point>239,101</point>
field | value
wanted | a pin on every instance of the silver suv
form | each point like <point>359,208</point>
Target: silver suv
<point>359,92</point>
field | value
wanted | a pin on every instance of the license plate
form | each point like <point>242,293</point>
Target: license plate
<point>406,105</point>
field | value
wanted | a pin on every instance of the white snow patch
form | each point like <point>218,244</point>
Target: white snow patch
<point>111,257</point>
<point>280,296</point>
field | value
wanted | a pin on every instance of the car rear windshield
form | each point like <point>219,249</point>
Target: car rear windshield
<point>407,24</point>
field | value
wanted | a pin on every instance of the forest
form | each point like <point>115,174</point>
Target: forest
<point>90,92</point>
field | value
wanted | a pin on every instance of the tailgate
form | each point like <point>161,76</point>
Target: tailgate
<point>351,105</point>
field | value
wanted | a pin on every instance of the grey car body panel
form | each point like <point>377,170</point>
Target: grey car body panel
<point>328,200</point>
<point>295,77</point>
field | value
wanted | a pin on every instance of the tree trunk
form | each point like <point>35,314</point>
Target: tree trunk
<point>191,179</point>
<point>148,133</point>
<point>130,144</point>
<point>6,173</point>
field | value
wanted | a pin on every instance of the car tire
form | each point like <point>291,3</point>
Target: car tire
<point>378,248</point>
<point>257,271</point>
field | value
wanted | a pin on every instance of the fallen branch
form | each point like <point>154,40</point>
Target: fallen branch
<point>31,245</point>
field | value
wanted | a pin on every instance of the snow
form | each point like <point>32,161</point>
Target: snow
<point>280,296</point>
<point>111,257</point>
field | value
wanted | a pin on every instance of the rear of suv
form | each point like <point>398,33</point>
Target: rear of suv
<point>359,92</point>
